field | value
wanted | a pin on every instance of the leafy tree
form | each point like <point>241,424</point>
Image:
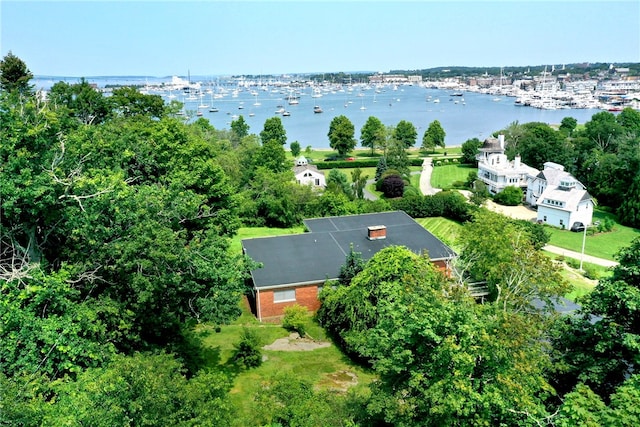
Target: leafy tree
<point>601,347</point>
<point>273,130</point>
<point>247,352</point>
<point>353,265</point>
<point>359,182</point>
<point>240,128</point>
<point>629,119</point>
<point>441,358</point>
<point>470,148</point>
<point>14,75</point>
<point>433,136</point>
<point>341,132</point>
<point>372,134</point>
<point>273,156</point>
<point>405,133</point>
<point>295,148</point>
<point>272,199</point>
<point>603,130</point>
<point>129,102</point>
<point>337,182</point>
<point>540,143</point>
<point>83,102</point>
<point>629,210</point>
<point>568,125</point>
<point>501,252</point>
<point>509,196</point>
<point>512,136</point>
<point>397,159</point>
<point>142,390</point>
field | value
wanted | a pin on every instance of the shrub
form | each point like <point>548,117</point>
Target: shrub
<point>294,320</point>
<point>393,186</point>
<point>247,351</point>
<point>591,272</point>
<point>510,196</point>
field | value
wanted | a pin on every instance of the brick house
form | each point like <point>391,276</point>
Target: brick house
<point>294,267</point>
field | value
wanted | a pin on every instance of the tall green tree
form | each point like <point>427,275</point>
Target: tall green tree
<point>273,130</point>
<point>239,128</point>
<point>470,148</point>
<point>359,182</point>
<point>541,143</point>
<point>433,137</point>
<point>14,75</point>
<point>502,253</point>
<point>601,347</point>
<point>295,148</point>
<point>568,125</point>
<point>84,103</point>
<point>372,134</point>
<point>341,135</point>
<point>405,132</point>
<point>128,102</point>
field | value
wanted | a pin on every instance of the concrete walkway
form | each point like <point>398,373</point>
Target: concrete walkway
<point>425,178</point>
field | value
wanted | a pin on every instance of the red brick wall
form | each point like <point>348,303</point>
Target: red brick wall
<point>306,296</point>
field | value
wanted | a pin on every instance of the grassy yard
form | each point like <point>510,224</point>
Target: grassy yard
<point>250,232</point>
<point>319,366</point>
<point>601,245</point>
<point>444,229</point>
<point>444,176</point>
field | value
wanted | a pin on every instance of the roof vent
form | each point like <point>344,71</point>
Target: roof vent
<point>377,232</point>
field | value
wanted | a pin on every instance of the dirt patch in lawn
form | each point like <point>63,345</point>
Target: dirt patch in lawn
<point>296,343</point>
<point>339,381</point>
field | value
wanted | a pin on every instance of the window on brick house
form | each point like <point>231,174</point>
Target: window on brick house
<point>284,295</point>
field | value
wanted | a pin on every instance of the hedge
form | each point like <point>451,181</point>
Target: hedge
<point>363,163</point>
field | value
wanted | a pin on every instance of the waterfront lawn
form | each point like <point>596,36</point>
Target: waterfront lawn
<point>601,245</point>
<point>444,176</point>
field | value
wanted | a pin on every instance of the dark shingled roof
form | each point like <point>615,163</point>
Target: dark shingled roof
<point>318,255</point>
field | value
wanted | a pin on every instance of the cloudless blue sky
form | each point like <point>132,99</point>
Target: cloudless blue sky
<point>161,38</point>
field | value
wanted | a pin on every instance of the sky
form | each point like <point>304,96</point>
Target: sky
<point>209,37</point>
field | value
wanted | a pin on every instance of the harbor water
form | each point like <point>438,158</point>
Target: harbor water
<point>462,115</point>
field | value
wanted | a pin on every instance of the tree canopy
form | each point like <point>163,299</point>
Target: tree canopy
<point>341,135</point>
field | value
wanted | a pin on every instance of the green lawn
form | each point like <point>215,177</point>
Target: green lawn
<point>444,176</point>
<point>444,229</point>
<point>250,232</point>
<point>601,245</point>
<point>314,366</point>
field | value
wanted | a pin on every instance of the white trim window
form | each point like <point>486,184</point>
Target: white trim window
<point>284,295</point>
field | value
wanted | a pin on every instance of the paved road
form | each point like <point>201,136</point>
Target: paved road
<point>577,255</point>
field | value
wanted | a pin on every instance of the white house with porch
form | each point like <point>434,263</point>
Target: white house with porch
<point>496,171</point>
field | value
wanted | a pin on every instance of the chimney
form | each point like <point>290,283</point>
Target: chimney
<point>516,162</point>
<point>501,141</point>
<point>377,232</point>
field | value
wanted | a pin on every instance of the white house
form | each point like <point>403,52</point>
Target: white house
<point>560,198</point>
<point>307,174</point>
<point>495,170</point>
